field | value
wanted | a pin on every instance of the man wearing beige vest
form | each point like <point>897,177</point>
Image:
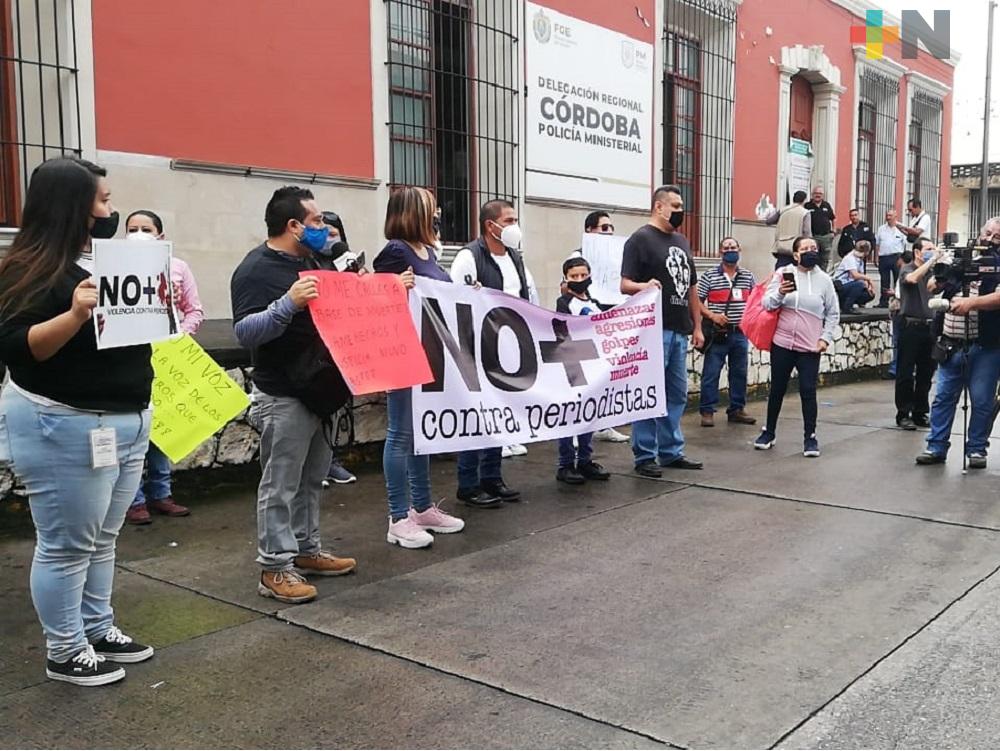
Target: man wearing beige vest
<point>793,220</point>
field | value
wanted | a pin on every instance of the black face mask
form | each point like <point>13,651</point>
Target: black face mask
<point>105,227</point>
<point>676,219</point>
<point>437,226</point>
<point>579,287</point>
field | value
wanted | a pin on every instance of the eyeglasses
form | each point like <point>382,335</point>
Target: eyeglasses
<point>607,227</point>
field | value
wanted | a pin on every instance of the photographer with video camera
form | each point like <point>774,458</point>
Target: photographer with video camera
<point>915,365</point>
<point>968,348</point>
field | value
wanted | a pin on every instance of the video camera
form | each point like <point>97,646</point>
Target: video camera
<point>961,266</point>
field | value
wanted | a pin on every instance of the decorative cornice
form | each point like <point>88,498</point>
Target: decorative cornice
<point>926,83</point>
<point>812,59</point>
<point>882,65</point>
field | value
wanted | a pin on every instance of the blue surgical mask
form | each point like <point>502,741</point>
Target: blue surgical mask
<point>809,260</point>
<point>314,238</point>
<point>928,255</point>
<point>731,257</point>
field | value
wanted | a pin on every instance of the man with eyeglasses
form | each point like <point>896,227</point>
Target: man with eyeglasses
<point>599,223</point>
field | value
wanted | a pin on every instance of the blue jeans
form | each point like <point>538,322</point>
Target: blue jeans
<point>407,476</point>
<point>156,484</point>
<point>660,438</point>
<point>570,455</point>
<point>853,293</point>
<point>734,349</point>
<point>478,467</point>
<point>77,511</point>
<point>983,370</point>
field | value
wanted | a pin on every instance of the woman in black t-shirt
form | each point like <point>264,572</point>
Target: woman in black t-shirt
<point>74,421</point>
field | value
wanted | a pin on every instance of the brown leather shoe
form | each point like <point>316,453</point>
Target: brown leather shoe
<point>285,586</point>
<point>742,418</point>
<point>167,507</point>
<point>707,420</point>
<point>138,515</point>
<point>324,564</point>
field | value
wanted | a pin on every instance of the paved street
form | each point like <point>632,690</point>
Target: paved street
<point>771,600</point>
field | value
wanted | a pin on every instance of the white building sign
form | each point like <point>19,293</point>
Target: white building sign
<point>590,112</point>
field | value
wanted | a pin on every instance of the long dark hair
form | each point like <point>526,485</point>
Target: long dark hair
<point>55,226</point>
<point>150,215</point>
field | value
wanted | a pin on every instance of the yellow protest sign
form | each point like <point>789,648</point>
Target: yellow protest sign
<point>192,397</point>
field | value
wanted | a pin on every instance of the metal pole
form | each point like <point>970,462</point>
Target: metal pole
<point>985,180</point>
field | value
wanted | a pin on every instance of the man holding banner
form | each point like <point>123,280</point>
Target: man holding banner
<point>494,261</point>
<point>296,390</point>
<point>657,255</point>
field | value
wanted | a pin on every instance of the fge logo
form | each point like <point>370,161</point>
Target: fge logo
<point>874,35</point>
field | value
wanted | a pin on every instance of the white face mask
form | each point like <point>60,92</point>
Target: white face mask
<point>511,236</point>
<point>140,235</point>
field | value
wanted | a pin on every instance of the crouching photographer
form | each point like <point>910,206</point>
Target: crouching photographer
<point>968,348</point>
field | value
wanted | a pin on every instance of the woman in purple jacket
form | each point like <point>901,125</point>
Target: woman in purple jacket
<point>409,228</point>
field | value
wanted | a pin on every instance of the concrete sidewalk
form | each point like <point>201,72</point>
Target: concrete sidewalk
<point>770,600</point>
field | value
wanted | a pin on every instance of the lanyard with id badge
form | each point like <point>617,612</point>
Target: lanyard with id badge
<point>103,446</point>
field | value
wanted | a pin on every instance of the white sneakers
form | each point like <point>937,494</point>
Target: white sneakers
<point>611,436</point>
<point>515,449</point>
<point>414,531</point>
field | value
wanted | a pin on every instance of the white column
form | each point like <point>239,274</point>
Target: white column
<point>784,112</point>
<point>826,121</point>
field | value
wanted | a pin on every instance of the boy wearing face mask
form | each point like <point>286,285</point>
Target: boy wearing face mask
<point>575,463</point>
<point>493,260</point>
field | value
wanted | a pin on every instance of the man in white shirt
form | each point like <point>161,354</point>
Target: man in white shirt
<point>919,222</point>
<point>493,260</point>
<point>855,287</point>
<point>891,242</point>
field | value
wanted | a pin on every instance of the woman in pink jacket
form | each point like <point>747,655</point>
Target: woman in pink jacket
<point>809,313</point>
<point>154,492</point>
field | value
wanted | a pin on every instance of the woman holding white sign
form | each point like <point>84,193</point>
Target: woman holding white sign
<point>154,491</point>
<point>74,420</point>
<point>409,228</point>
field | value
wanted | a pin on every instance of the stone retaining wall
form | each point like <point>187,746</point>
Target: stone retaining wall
<point>857,346</point>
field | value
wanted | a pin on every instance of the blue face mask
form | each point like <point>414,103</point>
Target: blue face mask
<point>731,257</point>
<point>314,238</point>
<point>809,260</point>
<point>928,255</point>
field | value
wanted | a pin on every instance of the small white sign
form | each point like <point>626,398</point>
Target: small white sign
<point>135,302</point>
<point>604,254</point>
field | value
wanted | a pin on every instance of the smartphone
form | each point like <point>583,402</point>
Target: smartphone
<point>789,276</point>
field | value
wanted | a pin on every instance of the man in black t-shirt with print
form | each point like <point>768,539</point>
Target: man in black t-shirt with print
<point>292,372</point>
<point>657,255</point>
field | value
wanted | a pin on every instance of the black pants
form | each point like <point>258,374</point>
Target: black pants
<point>783,362</point>
<point>914,369</point>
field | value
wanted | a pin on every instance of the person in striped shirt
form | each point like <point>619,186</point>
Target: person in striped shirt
<point>723,293</point>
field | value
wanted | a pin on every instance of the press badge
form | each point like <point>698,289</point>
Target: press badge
<point>737,294</point>
<point>103,448</point>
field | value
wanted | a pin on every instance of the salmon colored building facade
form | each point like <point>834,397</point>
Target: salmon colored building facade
<point>200,110</point>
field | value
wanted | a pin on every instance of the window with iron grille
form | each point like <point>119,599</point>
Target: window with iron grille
<point>40,109</point>
<point>923,173</point>
<point>699,64</point>
<point>993,209</point>
<point>454,112</point>
<point>875,183</point>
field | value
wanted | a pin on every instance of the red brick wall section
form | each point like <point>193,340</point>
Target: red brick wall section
<point>248,82</point>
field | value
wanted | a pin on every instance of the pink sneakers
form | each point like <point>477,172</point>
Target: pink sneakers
<point>436,520</point>
<point>408,534</point>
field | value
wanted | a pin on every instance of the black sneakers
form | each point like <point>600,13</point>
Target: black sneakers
<point>117,647</point>
<point>499,489</point>
<point>86,668</point>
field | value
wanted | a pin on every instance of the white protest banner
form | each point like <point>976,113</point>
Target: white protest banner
<point>506,371</point>
<point>589,112</point>
<point>135,302</point>
<point>604,254</point>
